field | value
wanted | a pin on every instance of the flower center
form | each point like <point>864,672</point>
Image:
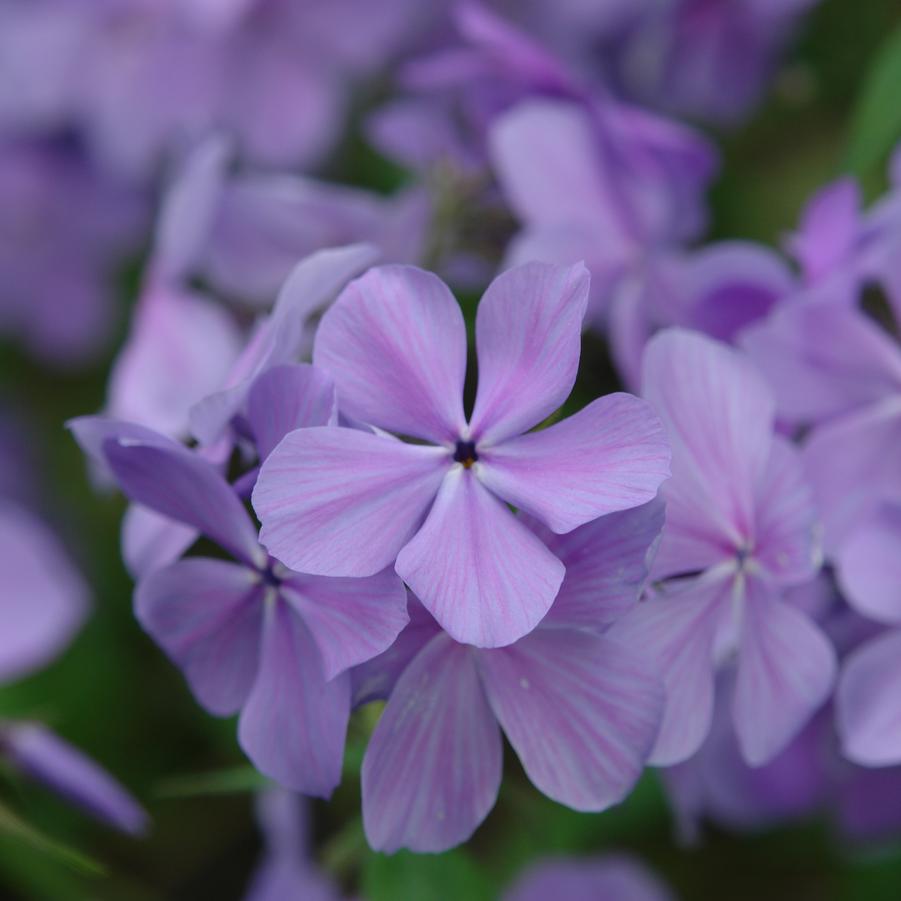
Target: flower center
<point>465,453</point>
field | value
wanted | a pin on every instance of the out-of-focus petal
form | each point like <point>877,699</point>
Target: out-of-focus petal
<point>294,723</point>
<point>612,455</point>
<point>433,766</point>
<point>581,711</point>
<point>207,615</point>
<point>342,502</point>
<point>528,337</point>
<point>480,572</point>
<point>151,541</point>
<point>395,344</point>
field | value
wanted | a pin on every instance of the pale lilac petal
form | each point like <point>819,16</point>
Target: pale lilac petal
<point>480,572</point>
<point>611,878</point>
<point>581,711</point>
<point>868,565</point>
<point>823,359</point>
<point>612,455</point>
<point>92,433</point>
<point>65,770</point>
<point>528,337</point>
<point>852,474</point>
<point>433,766</point>
<point>607,563</point>
<point>786,669</point>
<point>395,344</point>
<point>351,620</point>
<point>44,599</point>
<point>285,398</point>
<point>180,350</point>
<point>207,615</point>
<point>151,541</point>
<point>719,415</point>
<point>675,632</point>
<point>342,502</point>
<point>787,544</point>
<point>183,486</point>
<point>294,723</point>
<point>868,709</point>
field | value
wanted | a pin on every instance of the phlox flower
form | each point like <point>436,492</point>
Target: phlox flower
<point>249,634</point>
<point>347,502</point>
<point>580,710</point>
<point>740,531</point>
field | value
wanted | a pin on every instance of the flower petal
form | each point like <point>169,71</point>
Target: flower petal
<point>868,712</point>
<point>480,572</point>
<point>610,456</point>
<point>719,415</point>
<point>65,770</point>
<point>581,711</point>
<point>351,620</point>
<point>285,398</point>
<point>529,337</point>
<point>207,616</point>
<point>433,766</point>
<point>869,566</point>
<point>294,723</point>
<point>675,632</point>
<point>151,541</point>
<point>395,344</point>
<point>342,502</point>
<point>607,564</point>
<point>183,486</point>
<point>786,669</point>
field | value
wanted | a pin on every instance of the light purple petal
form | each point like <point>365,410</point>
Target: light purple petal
<point>45,600</point>
<point>151,541</point>
<point>528,337</point>
<point>719,415</point>
<point>207,615</point>
<point>479,571</point>
<point>433,766</point>
<point>611,878</point>
<point>868,702</point>
<point>351,620</point>
<point>183,486</point>
<point>285,398</point>
<point>787,543</point>
<point>395,344</point>
<point>92,433</point>
<point>675,632</point>
<point>786,669</point>
<point>342,502</point>
<point>294,723</point>
<point>65,770</point>
<point>580,710</point>
<point>868,565</point>
<point>607,563</point>
<point>612,455</point>
<point>822,359</point>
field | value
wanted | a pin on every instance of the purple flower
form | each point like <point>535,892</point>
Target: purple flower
<point>580,710</point>
<point>348,502</point>
<point>250,635</point>
<point>610,878</point>
<point>740,530</point>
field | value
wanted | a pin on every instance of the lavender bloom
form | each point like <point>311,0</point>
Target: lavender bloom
<point>347,502</point>
<point>250,635</point>
<point>580,710</point>
<point>740,530</point>
<point>56,272</point>
<point>610,878</point>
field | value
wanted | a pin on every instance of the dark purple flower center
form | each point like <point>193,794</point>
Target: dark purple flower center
<point>466,453</point>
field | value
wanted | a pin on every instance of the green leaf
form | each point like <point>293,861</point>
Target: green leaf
<point>234,780</point>
<point>13,827</point>
<point>876,123</point>
<point>425,877</point>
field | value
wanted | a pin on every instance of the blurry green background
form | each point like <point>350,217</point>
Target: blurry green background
<point>835,104</point>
